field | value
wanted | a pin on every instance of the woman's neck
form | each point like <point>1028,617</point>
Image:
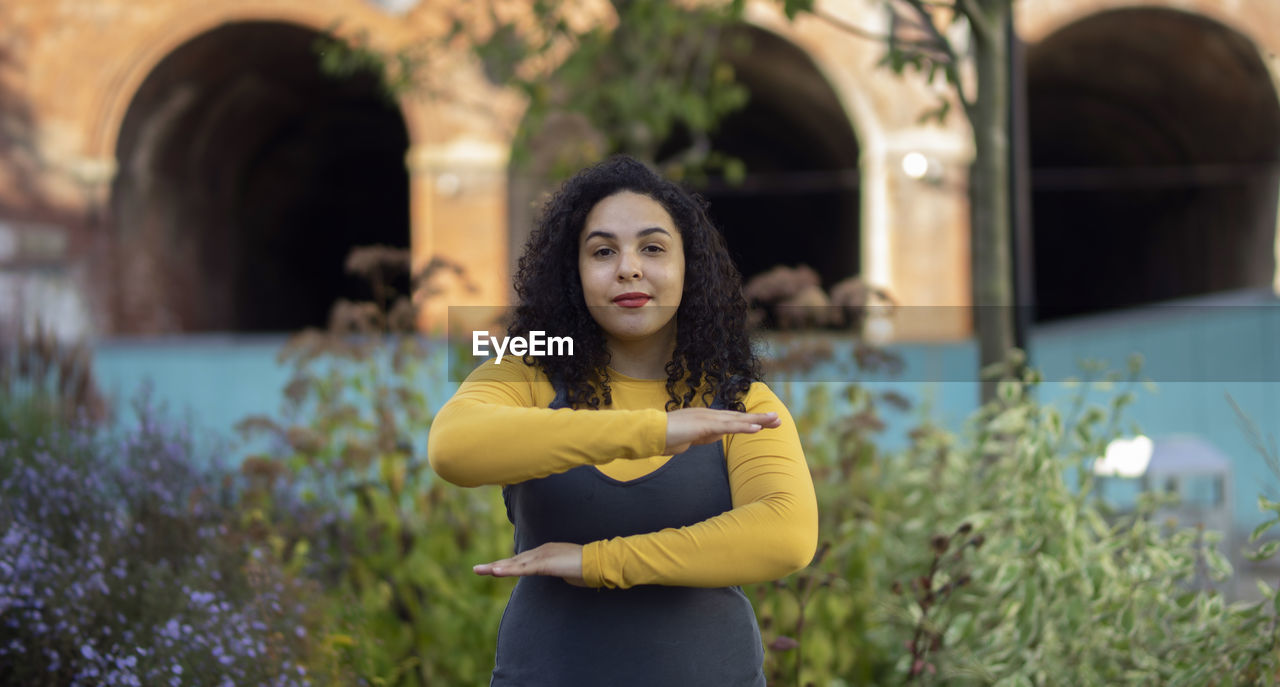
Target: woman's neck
<point>645,359</point>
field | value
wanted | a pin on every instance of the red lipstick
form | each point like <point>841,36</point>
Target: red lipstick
<point>632,300</point>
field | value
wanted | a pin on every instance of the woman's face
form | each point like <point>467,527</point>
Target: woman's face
<point>631,261</point>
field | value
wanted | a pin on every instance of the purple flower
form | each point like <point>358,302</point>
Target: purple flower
<point>202,598</point>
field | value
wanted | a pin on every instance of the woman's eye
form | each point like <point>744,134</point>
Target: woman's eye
<point>602,251</point>
<point>656,248</point>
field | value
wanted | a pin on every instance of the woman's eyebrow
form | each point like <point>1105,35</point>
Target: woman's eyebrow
<point>642,233</point>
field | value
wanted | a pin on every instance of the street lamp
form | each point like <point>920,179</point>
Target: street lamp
<point>1125,458</point>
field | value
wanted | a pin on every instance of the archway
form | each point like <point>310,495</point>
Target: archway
<point>800,200</point>
<point>1154,147</point>
<point>246,175</point>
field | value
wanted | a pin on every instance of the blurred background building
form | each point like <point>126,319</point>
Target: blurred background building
<point>174,166</point>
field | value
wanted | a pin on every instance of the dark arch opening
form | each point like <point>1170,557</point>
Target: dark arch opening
<point>246,176</point>
<point>1154,138</point>
<point>800,201</point>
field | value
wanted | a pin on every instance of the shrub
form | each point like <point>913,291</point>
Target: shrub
<point>117,566</point>
<point>45,384</point>
<point>387,540</point>
<point>985,558</point>
<point>978,557</point>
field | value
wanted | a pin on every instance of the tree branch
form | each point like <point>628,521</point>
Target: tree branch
<point>953,63</point>
<point>848,27</point>
<point>860,32</point>
<point>939,46</point>
<point>977,20</point>
<point>926,22</point>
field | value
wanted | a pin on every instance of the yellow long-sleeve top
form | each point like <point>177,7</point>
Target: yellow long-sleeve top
<point>497,429</point>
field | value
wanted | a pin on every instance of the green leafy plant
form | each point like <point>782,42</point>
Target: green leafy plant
<point>46,383</point>
<point>978,557</point>
<point>821,625</point>
<point>986,557</point>
<point>346,495</point>
<point>649,70</point>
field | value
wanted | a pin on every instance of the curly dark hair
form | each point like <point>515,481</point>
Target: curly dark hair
<point>713,351</point>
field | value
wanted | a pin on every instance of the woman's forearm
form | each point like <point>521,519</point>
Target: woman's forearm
<point>757,542</point>
<point>771,532</point>
<point>473,442</point>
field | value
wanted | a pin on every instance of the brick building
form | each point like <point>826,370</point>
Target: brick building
<point>174,166</point>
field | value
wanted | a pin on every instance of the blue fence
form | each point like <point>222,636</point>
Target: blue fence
<point>1195,352</point>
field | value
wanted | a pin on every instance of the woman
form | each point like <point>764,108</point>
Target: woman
<point>649,474</point>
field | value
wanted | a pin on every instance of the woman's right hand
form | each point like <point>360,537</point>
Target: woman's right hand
<point>692,426</point>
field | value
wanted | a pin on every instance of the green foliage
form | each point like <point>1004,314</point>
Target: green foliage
<point>657,70</point>
<point>353,57</point>
<point>45,385</point>
<point>921,38</point>
<point>983,557</point>
<point>974,559</point>
<point>821,625</point>
<point>652,73</point>
<point>388,540</point>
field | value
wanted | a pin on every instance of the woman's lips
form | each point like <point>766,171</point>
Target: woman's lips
<point>630,300</point>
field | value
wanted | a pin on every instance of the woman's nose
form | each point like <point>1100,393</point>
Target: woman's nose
<point>628,267</point>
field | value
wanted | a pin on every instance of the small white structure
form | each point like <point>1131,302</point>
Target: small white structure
<point>1199,474</point>
<point>1182,464</point>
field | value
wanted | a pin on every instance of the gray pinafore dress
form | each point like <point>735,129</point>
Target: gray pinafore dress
<point>554,634</point>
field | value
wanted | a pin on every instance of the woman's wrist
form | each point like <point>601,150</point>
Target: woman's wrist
<point>591,573</point>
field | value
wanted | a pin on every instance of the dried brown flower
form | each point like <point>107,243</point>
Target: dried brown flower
<point>261,467</point>
<point>298,388</point>
<point>779,283</point>
<point>377,262</point>
<point>403,316</point>
<point>356,455</point>
<point>38,360</point>
<point>348,317</point>
<point>304,439</point>
<point>255,424</point>
<point>303,347</point>
<point>897,400</point>
<point>432,278</point>
<point>940,544</point>
<point>808,307</point>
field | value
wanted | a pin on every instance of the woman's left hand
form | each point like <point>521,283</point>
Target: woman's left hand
<point>554,559</point>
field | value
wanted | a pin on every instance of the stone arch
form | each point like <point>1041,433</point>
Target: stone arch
<point>1155,161</point>
<point>802,158</point>
<point>1038,19</point>
<point>245,177</point>
<point>820,178</point>
<point>117,92</point>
